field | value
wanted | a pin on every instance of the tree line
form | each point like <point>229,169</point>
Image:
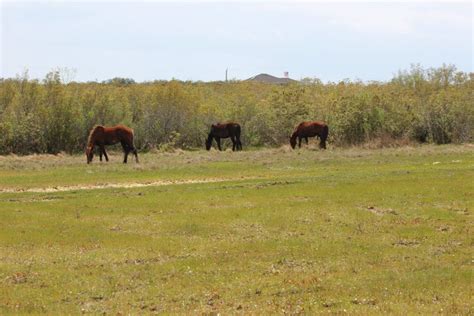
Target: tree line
<point>51,115</point>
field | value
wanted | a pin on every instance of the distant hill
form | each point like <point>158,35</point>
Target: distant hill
<point>266,78</point>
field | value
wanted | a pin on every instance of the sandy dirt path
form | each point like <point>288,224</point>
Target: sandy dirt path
<point>118,185</point>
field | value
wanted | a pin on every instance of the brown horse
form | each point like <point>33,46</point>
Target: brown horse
<point>101,136</point>
<point>310,129</point>
<point>225,130</point>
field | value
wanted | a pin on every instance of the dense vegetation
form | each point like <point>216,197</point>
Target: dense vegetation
<point>49,116</point>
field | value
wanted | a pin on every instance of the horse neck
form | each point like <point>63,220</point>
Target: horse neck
<point>294,135</point>
<point>90,144</point>
<point>91,139</point>
<point>210,136</point>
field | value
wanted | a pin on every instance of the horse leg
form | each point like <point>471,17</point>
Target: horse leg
<point>105,154</point>
<point>233,143</point>
<point>238,144</point>
<point>100,154</point>
<point>102,151</point>
<point>306,138</point>
<point>299,141</point>
<point>218,141</point>
<point>135,153</point>
<point>125,156</point>
<point>322,144</point>
<point>126,150</point>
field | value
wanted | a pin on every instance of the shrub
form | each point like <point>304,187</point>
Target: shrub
<point>49,116</point>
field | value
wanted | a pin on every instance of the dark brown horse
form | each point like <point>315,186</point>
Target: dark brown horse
<point>101,136</point>
<point>224,130</point>
<point>310,129</point>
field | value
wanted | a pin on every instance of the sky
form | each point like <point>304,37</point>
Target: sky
<point>195,40</point>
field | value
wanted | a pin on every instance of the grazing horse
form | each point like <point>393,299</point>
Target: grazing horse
<point>101,136</point>
<point>310,129</point>
<point>225,130</point>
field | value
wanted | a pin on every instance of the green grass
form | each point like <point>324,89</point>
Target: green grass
<point>306,231</point>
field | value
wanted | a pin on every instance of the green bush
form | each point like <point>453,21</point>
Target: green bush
<point>49,116</point>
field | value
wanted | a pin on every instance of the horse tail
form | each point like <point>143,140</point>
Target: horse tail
<point>132,137</point>
<point>237,130</point>
<point>324,136</point>
<point>132,141</point>
<point>239,143</point>
<point>126,134</point>
<point>325,132</point>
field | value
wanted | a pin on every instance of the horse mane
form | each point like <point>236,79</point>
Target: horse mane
<point>89,138</point>
<point>295,133</point>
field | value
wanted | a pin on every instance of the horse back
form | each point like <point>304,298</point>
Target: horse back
<point>311,129</point>
<point>224,130</point>
<point>113,135</point>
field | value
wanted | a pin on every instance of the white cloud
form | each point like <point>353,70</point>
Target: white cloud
<point>384,17</point>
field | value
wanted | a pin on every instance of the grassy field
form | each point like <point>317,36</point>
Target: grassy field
<point>266,231</point>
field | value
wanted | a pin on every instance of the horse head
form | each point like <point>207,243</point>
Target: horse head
<point>89,153</point>
<point>293,140</point>
<point>209,142</point>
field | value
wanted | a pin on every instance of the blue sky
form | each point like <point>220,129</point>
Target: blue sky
<point>195,40</point>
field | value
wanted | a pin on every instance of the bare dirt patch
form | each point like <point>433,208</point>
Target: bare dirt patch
<point>380,211</point>
<point>116,185</point>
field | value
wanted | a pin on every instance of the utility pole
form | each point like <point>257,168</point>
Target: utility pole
<point>226,74</point>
